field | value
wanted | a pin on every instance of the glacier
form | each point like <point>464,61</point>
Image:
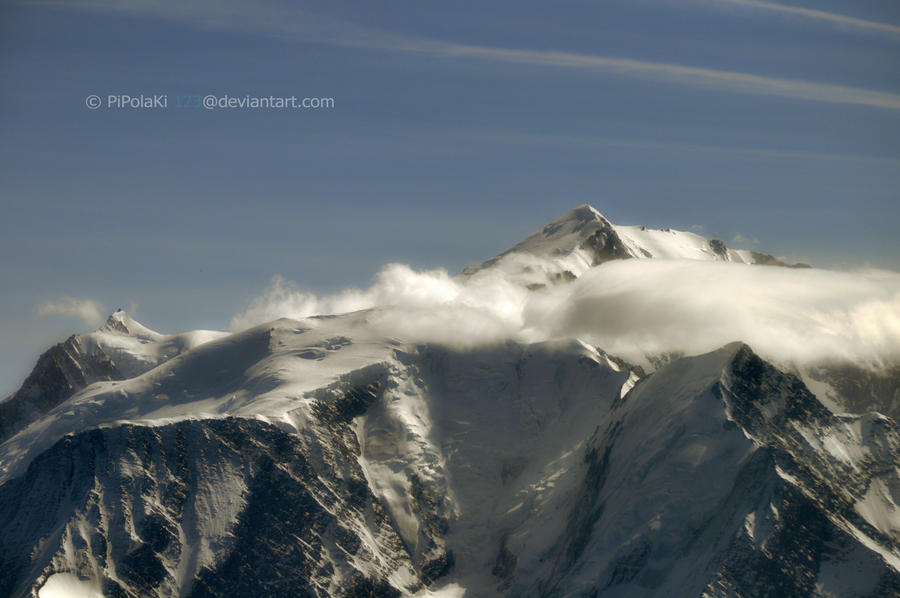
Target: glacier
<point>337,450</point>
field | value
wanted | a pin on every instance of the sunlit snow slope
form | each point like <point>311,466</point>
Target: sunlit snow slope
<point>322,456</point>
<point>584,238</point>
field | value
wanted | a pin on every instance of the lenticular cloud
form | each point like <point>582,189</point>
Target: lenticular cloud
<point>632,308</point>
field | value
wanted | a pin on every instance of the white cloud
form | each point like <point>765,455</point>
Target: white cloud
<point>632,308</point>
<point>417,306</point>
<point>791,316</point>
<point>285,299</point>
<point>819,15</point>
<point>87,310</point>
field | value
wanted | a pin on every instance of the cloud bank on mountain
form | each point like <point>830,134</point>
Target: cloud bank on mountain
<point>631,308</point>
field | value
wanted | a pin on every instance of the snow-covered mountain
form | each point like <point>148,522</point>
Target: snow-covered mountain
<point>323,457</point>
<point>122,348</point>
<point>583,238</point>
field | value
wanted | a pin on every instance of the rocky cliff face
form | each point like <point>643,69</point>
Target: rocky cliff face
<point>853,388</point>
<point>200,508</point>
<point>713,477</point>
<point>122,348</point>
<point>522,470</point>
<point>59,373</point>
<point>325,457</point>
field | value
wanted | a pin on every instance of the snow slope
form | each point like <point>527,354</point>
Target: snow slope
<point>506,470</point>
<point>134,348</point>
<point>323,457</point>
<point>583,238</point>
<point>122,348</point>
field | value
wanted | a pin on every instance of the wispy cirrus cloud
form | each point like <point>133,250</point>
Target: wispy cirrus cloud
<point>667,146</point>
<point>819,15</point>
<point>263,18</point>
<point>733,81</point>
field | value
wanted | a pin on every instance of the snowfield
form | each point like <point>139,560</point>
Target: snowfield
<point>602,410</point>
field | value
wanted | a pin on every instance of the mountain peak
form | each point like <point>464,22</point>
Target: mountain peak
<point>584,213</point>
<point>583,238</point>
<point>579,239</point>
<point>565,233</point>
<point>584,219</point>
<point>119,322</point>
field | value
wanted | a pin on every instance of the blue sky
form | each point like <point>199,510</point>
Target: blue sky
<point>458,128</point>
